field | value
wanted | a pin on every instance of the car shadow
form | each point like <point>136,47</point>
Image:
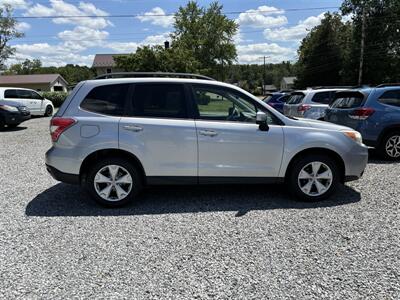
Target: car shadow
<point>12,129</point>
<point>69,200</point>
<point>375,158</point>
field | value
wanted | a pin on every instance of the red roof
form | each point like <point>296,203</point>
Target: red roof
<point>105,60</point>
<point>35,78</point>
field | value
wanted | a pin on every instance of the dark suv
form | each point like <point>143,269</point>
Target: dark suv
<point>374,112</point>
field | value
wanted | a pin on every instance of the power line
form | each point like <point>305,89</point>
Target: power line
<point>167,14</point>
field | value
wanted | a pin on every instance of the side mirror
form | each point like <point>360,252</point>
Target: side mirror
<point>261,120</point>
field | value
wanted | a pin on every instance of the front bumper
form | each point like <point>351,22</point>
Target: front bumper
<point>16,118</point>
<point>356,161</point>
<point>63,177</point>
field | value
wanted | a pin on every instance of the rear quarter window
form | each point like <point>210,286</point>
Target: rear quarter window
<point>107,99</point>
<point>391,98</point>
<point>322,97</point>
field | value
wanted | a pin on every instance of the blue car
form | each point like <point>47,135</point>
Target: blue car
<point>276,100</point>
<point>374,112</point>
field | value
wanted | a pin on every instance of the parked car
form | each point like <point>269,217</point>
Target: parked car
<point>38,105</point>
<point>276,100</point>
<point>12,114</point>
<point>310,103</point>
<point>375,112</point>
<point>114,136</point>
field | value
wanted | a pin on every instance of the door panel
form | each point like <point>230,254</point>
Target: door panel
<point>165,147</point>
<point>235,149</point>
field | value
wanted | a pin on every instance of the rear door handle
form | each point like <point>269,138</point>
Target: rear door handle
<point>134,128</point>
<point>208,132</point>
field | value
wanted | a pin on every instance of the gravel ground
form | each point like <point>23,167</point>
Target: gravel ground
<point>225,242</point>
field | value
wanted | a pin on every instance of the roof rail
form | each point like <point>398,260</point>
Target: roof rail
<point>387,85</point>
<point>152,74</point>
<point>332,87</point>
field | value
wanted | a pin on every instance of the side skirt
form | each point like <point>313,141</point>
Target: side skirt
<point>191,180</point>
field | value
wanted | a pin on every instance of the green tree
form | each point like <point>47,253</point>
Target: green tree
<point>382,39</point>
<point>8,32</point>
<point>207,34</point>
<point>323,53</point>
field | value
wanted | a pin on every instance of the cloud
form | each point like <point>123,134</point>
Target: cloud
<point>61,8</point>
<point>157,16</point>
<point>17,4</point>
<point>253,53</point>
<point>261,17</point>
<point>294,33</point>
<point>83,36</point>
<point>22,26</point>
<point>129,47</point>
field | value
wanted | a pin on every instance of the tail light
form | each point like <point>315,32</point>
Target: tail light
<point>58,126</point>
<point>303,108</point>
<point>362,113</point>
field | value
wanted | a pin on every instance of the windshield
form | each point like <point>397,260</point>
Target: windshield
<point>295,98</point>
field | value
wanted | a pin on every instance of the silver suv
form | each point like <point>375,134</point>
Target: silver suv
<point>310,103</point>
<point>115,136</point>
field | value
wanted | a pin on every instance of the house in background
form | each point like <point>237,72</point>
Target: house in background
<point>287,83</point>
<point>38,82</point>
<point>269,88</point>
<point>104,63</point>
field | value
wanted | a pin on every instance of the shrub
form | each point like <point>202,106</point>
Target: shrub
<point>56,97</point>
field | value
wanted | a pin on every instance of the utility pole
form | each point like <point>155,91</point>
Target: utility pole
<point>264,74</point>
<point>360,70</point>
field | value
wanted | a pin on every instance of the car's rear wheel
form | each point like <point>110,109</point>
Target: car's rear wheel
<point>49,111</point>
<point>113,182</point>
<point>313,177</point>
<point>389,148</point>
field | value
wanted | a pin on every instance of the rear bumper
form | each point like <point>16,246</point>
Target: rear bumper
<point>63,177</point>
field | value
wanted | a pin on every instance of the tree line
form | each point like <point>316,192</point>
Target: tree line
<point>203,42</point>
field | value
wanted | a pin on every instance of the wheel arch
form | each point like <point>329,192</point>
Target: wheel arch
<point>386,131</point>
<point>107,153</point>
<point>319,151</point>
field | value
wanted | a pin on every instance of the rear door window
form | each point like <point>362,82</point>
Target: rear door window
<point>391,98</point>
<point>24,94</point>
<point>322,97</point>
<point>346,101</point>
<point>159,101</point>
<point>107,99</point>
<point>11,94</point>
<point>295,98</point>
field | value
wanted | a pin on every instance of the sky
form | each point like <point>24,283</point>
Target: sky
<point>266,28</point>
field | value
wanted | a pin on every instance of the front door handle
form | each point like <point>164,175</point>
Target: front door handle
<point>208,133</point>
<point>134,128</point>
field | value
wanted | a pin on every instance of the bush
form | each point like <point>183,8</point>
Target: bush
<point>56,97</point>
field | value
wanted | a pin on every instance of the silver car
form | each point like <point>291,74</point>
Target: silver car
<point>115,136</point>
<point>310,103</point>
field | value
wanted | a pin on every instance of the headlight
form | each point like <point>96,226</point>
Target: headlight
<point>9,108</point>
<point>354,135</point>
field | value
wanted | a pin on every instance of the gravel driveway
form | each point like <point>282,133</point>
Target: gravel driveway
<point>229,242</point>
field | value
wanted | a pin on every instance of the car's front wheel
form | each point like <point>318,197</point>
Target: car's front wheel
<point>313,177</point>
<point>389,148</point>
<point>113,182</point>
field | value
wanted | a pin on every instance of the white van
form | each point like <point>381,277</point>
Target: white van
<point>37,105</point>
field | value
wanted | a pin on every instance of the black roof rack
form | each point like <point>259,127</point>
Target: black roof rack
<point>152,74</point>
<point>387,84</point>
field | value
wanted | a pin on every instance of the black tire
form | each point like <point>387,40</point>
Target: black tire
<point>49,111</point>
<point>294,172</point>
<point>2,124</point>
<point>137,182</point>
<point>382,151</point>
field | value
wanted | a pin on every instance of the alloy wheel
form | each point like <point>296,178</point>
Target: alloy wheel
<point>315,179</point>
<point>113,183</point>
<point>393,146</point>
